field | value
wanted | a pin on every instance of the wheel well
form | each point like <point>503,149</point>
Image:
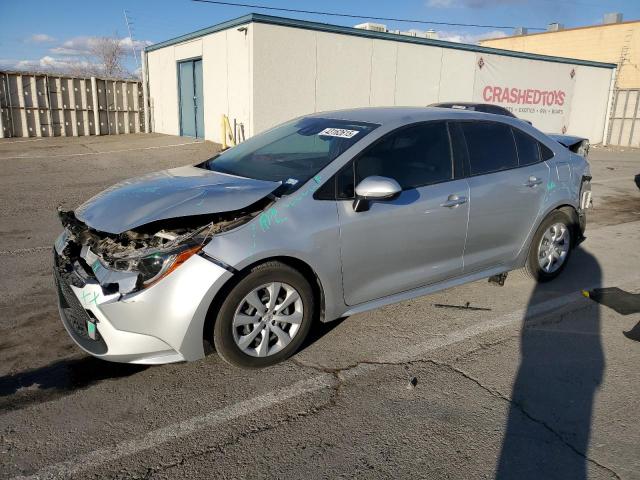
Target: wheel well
<point>571,212</point>
<point>576,233</point>
<point>301,266</point>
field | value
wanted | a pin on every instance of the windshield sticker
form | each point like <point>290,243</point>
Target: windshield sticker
<point>310,189</point>
<point>291,181</point>
<point>339,132</point>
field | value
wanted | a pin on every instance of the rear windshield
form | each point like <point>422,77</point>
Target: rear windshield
<point>291,153</point>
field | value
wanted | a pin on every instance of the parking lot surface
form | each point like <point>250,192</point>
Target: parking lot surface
<point>531,381</point>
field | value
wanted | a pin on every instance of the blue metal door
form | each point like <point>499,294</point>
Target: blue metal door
<point>197,77</point>
<point>191,105</point>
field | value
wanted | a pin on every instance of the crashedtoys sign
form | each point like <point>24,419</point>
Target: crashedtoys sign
<point>543,99</point>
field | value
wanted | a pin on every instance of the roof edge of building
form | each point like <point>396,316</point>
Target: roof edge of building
<point>573,29</point>
<point>356,32</point>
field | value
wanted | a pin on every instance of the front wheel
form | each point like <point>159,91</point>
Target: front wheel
<point>550,248</point>
<point>265,318</point>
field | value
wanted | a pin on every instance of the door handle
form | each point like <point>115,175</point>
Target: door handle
<point>532,182</point>
<point>454,201</point>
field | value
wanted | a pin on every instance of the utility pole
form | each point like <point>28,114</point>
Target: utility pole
<point>130,29</point>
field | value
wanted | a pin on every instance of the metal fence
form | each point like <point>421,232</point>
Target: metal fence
<point>44,105</point>
<point>624,129</point>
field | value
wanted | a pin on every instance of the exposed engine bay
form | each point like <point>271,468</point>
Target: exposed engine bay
<point>135,259</point>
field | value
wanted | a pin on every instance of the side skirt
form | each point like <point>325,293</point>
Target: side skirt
<point>419,292</point>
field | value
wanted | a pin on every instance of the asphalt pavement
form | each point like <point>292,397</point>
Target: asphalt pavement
<point>532,381</point>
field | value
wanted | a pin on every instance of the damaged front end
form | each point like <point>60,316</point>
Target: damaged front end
<point>136,259</point>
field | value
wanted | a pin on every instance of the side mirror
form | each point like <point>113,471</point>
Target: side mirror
<point>375,188</point>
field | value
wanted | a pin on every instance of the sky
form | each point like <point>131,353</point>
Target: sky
<point>44,34</point>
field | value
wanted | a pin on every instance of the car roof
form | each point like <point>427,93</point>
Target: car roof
<point>465,104</point>
<point>479,107</point>
<point>400,115</point>
<point>395,117</point>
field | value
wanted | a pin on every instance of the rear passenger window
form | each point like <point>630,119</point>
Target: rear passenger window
<point>491,147</point>
<point>546,152</point>
<point>415,156</point>
<point>528,152</point>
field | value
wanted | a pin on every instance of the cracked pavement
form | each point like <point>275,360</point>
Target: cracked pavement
<point>541,385</point>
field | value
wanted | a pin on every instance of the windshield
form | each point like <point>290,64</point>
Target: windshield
<point>291,153</point>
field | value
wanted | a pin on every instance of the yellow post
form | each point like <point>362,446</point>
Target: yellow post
<point>223,127</point>
<point>227,133</point>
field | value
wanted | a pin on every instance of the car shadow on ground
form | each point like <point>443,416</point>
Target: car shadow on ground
<point>58,379</point>
<point>319,330</point>
<point>561,367</point>
<point>63,377</point>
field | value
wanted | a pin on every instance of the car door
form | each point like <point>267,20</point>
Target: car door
<point>508,184</point>
<point>414,239</point>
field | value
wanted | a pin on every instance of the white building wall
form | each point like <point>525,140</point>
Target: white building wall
<point>299,71</point>
<point>283,74</point>
<point>383,73</point>
<point>417,75</point>
<point>589,103</point>
<point>457,76</point>
<point>227,82</point>
<point>215,84</point>
<point>163,91</point>
<point>239,82</point>
<point>343,77</point>
<point>585,90</point>
<point>272,73</point>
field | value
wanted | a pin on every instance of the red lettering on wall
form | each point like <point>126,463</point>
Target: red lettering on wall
<point>523,96</point>
<point>486,93</point>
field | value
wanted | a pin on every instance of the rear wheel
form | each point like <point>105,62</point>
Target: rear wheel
<point>265,318</point>
<point>550,248</point>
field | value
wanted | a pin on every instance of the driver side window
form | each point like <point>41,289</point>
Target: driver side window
<point>415,156</point>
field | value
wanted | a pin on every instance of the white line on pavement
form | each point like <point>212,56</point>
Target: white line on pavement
<point>100,153</point>
<point>186,427</point>
<point>22,141</point>
<point>178,430</point>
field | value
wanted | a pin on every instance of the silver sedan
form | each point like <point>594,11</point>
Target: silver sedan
<point>322,217</point>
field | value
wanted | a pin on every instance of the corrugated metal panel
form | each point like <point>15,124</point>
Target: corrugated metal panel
<point>43,105</point>
<point>625,122</point>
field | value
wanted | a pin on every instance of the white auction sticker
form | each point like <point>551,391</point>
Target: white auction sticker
<point>339,132</point>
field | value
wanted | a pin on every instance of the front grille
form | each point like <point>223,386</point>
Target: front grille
<point>76,317</point>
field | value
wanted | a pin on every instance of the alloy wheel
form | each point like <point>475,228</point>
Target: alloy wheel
<point>267,319</point>
<point>554,247</point>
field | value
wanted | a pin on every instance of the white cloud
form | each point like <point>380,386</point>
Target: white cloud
<point>72,56</point>
<point>41,38</point>
<point>67,51</point>
<point>127,42</point>
<point>473,38</point>
<point>440,3</point>
<point>83,45</point>
<point>75,46</point>
<point>51,64</point>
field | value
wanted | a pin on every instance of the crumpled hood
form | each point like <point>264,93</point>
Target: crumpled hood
<point>167,194</point>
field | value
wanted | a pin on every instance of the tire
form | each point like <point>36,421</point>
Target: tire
<point>559,247</point>
<point>239,331</point>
